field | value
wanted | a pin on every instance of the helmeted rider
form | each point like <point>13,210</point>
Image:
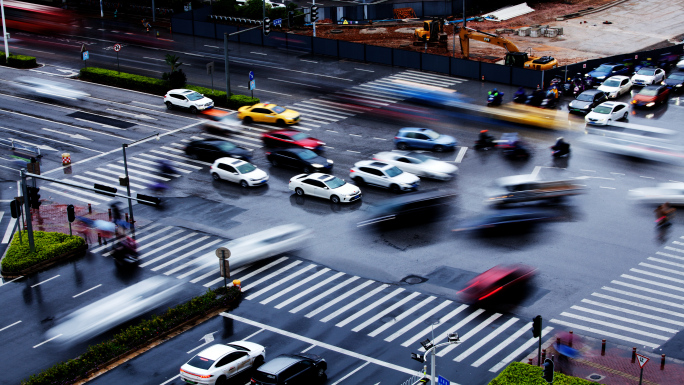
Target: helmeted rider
<point>485,137</point>
<point>561,146</point>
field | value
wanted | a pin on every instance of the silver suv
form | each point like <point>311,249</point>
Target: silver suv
<point>384,175</point>
<point>187,99</point>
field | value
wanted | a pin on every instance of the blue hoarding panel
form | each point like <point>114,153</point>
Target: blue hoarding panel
<point>354,51</point>
<point>410,59</point>
<point>275,39</point>
<point>181,26</point>
<point>222,28</point>
<point>204,29</point>
<point>496,73</point>
<point>323,46</point>
<point>527,78</point>
<point>252,37</point>
<point>435,63</point>
<point>298,42</point>
<point>465,68</point>
<point>380,55</point>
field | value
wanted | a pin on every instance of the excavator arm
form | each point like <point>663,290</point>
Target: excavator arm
<point>465,34</point>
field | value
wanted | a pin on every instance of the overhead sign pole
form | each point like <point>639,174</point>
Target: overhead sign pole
<point>225,50</point>
<point>4,31</point>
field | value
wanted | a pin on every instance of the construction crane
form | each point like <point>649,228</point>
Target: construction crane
<point>514,57</point>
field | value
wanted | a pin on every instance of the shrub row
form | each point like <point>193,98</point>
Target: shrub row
<point>48,245</point>
<point>160,87</point>
<point>518,373</point>
<point>133,337</point>
<point>18,61</point>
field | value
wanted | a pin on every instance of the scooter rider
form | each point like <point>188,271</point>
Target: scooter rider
<point>561,147</point>
<point>485,138</point>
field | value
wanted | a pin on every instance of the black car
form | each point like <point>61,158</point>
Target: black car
<point>300,158</point>
<point>606,70</point>
<point>505,219</point>
<point>291,369</point>
<point>675,81</point>
<point>413,208</point>
<point>586,101</point>
<point>212,149</point>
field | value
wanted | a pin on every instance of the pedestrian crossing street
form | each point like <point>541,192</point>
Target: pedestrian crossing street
<point>642,307</point>
<point>388,312</point>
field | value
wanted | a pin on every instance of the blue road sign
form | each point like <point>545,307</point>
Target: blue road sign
<point>252,85</point>
<point>442,381</point>
<point>251,75</point>
<point>85,55</point>
<point>277,22</point>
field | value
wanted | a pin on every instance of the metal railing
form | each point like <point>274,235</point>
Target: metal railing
<point>416,379</point>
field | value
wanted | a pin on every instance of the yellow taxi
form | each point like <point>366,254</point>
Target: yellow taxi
<point>268,113</point>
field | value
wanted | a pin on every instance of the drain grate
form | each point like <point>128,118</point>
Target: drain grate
<point>413,279</point>
<point>595,377</point>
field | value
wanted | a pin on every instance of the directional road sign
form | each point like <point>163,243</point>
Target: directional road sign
<point>86,56</point>
<point>277,22</point>
<point>220,252</point>
<point>252,85</point>
<point>442,381</point>
<point>642,360</point>
<point>251,75</point>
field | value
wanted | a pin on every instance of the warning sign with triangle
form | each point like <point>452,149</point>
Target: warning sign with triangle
<point>642,360</point>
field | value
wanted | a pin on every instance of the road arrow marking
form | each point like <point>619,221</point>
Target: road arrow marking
<point>140,116</point>
<point>68,72</point>
<point>75,136</point>
<point>208,338</point>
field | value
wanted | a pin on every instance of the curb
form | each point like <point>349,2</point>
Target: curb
<point>79,252</point>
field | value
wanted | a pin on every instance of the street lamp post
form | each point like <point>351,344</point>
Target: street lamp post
<point>4,31</point>
<point>128,182</point>
<point>429,347</point>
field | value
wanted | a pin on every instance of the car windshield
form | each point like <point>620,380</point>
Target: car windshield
<point>421,157</point>
<point>245,168</point>
<point>433,135</point>
<point>646,71</point>
<point>677,76</point>
<point>604,68</point>
<point>335,183</point>
<point>649,92</point>
<point>307,155</point>
<point>299,136</point>
<point>278,109</point>
<point>612,83</point>
<point>585,97</point>
<point>200,362</point>
<point>194,96</point>
<point>225,146</point>
<point>603,110</point>
<point>392,172</point>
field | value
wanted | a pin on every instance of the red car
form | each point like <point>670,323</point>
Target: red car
<point>291,138</point>
<point>496,280</point>
<point>649,96</point>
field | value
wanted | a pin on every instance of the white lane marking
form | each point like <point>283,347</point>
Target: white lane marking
<point>132,171</point>
<point>669,255</point>
<point>338,298</point>
<point>614,326</point>
<point>287,81</point>
<point>139,116</point>
<point>457,326</point>
<point>9,326</point>
<point>138,233</point>
<point>270,92</point>
<point>49,279</point>
<point>401,316</point>
<point>633,312</point>
<point>280,282</point>
<point>608,188</point>
<point>70,196</point>
<point>587,170</point>
<point>441,321</point>
<point>99,124</point>
<point>471,333</point>
<point>354,303</point>
<point>314,110</point>
<point>380,138</point>
<point>308,124</point>
<point>212,46</point>
<point>417,320</point>
<point>502,345</point>
<point>44,138</point>
<point>46,341</point>
<point>321,344</point>
<point>269,276</point>
<point>252,335</point>
<point>536,170</point>
<point>674,249</point>
<point>309,61</point>
<point>74,136</point>
<point>83,292</point>
<point>147,104</point>
<point>623,319</point>
<point>332,131</point>
<point>8,232</point>
<point>307,349</point>
<point>350,374</point>
<point>519,350</point>
<point>644,297</point>
<point>78,191</point>
<point>322,295</point>
<point>665,262</point>
<point>645,289</point>
<point>155,58</point>
<point>176,251</point>
<point>386,311</point>
<point>436,76</point>
<point>172,161</point>
<point>176,156</point>
<point>617,173</point>
<point>638,304</point>
<point>294,286</point>
<point>675,181</point>
<point>257,271</point>
<point>260,53</point>
<point>115,185</point>
<point>655,267</point>
<point>361,69</point>
<point>368,308</point>
<point>356,152</point>
<point>217,280</point>
<point>135,164</point>
<point>129,177</point>
<point>486,339</point>
<point>646,177</point>
<point>461,154</point>
<point>170,379</point>
<point>311,289</point>
<point>312,105</point>
<point>665,277</point>
<point>604,333</point>
<point>357,135</point>
<point>162,239</point>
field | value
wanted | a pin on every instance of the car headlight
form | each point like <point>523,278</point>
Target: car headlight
<point>600,77</point>
<point>309,147</point>
<point>651,104</point>
<point>330,161</point>
<point>586,75</point>
<point>613,94</point>
<point>255,179</point>
<point>316,165</point>
<point>678,85</point>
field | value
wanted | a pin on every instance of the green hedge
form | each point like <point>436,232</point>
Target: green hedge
<point>518,373</point>
<point>132,338</point>
<point>48,245</point>
<point>160,87</point>
<point>18,61</point>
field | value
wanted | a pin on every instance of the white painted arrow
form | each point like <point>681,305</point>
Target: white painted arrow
<point>68,72</point>
<point>75,136</point>
<point>42,147</point>
<point>141,116</point>
<point>208,338</point>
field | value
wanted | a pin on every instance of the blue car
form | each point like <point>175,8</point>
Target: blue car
<point>425,138</point>
<point>604,71</point>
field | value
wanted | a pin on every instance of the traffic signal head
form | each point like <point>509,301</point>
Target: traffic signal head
<point>33,197</point>
<point>70,213</point>
<point>418,357</point>
<point>267,26</point>
<point>15,209</point>
<point>290,18</point>
<point>548,371</point>
<point>314,13</point>
<point>536,326</point>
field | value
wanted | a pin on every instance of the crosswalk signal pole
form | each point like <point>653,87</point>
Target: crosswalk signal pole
<point>29,225</point>
<point>128,187</point>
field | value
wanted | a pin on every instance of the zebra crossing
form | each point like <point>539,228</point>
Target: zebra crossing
<point>644,306</point>
<point>391,313</point>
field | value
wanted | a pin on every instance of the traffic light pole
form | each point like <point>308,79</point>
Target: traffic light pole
<point>29,225</point>
<point>314,22</point>
<point>128,187</point>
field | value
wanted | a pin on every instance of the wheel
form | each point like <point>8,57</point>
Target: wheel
<point>358,180</point>
<point>439,148</point>
<point>274,163</point>
<point>307,170</point>
<point>395,188</point>
<point>299,192</point>
<point>169,106</point>
<point>624,116</point>
<point>247,120</point>
<point>335,199</point>
<point>194,156</point>
<point>402,146</point>
<point>193,110</point>
<point>215,176</point>
<point>320,373</point>
<point>258,362</point>
<point>244,183</point>
<point>280,122</point>
<point>222,380</point>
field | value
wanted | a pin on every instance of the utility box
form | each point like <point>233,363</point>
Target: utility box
<point>524,31</point>
<point>551,32</point>
<point>535,32</point>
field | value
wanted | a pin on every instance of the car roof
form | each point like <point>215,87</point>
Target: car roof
<point>373,163</point>
<point>231,161</point>
<point>516,179</point>
<point>216,351</point>
<point>618,77</point>
<point>182,91</point>
<point>592,92</point>
<point>414,129</point>
<point>415,197</point>
<point>320,176</point>
<point>611,104</point>
<point>279,363</point>
<point>648,68</point>
<point>653,87</point>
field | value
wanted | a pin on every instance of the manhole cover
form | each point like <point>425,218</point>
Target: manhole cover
<point>336,31</point>
<point>595,377</point>
<point>413,279</point>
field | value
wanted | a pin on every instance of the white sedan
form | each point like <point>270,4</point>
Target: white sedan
<point>324,186</point>
<point>384,175</point>
<point>238,171</point>
<point>217,363</point>
<point>672,193</point>
<point>607,112</point>
<point>616,86</point>
<point>418,164</point>
<point>647,76</point>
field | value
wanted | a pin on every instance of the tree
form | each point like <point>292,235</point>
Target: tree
<point>173,61</point>
<point>176,77</point>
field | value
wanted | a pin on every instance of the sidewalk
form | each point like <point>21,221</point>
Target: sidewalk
<point>615,367</point>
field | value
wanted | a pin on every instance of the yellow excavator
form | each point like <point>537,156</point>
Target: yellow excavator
<point>432,31</point>
<point>514,57</point>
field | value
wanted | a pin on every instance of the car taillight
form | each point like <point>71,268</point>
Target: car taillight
<point>493,291</point>
<point>211,167</point>
<point>396,137</point>
<point>352,170</point>
<point>253,381</point>
<point>197,375</point>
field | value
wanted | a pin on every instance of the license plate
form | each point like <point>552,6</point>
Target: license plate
<point>190,382</point>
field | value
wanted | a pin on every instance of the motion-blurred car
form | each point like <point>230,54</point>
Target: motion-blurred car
<point>649,96</point>
<point>115,309</point>
<point>384,175</point>
<point>675,81</point>
<point>412,208</point>
<point>268,113</point>
<point>418,163</point>
<point>217,363</point>
<point>211,149</point>
<point>672,193</point>
<point>262,245</point>
<point>50,88</point>
<point>221,122</point>
<point>299,158</point>
<point>680,63</point>
<point>495,282</point>
<point>324,186</point>
<point>647,76</point>
<point>425,138</point>
<point>607,112</point>
<point>529,188</point>
<point>187,99</point>
<point>291,369</point>
<point>615,86</point>
<point>291,138</point>
<point>505,219</point>
<point>586,101</point>
<point>238,171</point>
<point>600,73</point>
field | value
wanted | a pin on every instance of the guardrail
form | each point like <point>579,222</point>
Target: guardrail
<point>20,147</point>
